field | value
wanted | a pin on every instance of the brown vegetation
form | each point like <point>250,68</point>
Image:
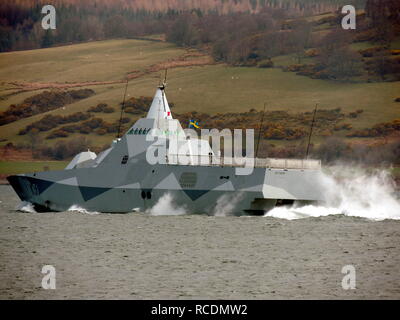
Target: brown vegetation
<point>97,125</point>
<point>64,149</point>
<point>378,130</point>
<point>101,107</point>
<point>49,122</point>
<point>138,105</point>
<point>277,125</point>
<point>45,101</point>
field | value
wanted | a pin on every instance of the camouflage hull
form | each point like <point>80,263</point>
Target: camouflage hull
<point>195,188</point>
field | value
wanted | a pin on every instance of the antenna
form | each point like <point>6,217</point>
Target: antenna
<point>162,87</point>
<point>259,131</point>
<point>311,129</point>
<point>165,77</point>
<point>122,109</point>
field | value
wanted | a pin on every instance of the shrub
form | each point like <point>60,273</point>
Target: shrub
<point>138,105</point>
<point>266,64</point>
<point>49,122</point>
<point>380,129</point>
<point>65,149</point>
<point>59,133</point>
<point>101,107</point>
<point>43,102</point>
<point>101,131</point>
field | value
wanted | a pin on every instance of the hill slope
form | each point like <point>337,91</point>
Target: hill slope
<point>195,83</point>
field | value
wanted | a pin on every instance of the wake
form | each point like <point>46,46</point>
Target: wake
<point>353,192</point>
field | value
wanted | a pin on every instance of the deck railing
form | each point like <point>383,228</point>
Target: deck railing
<point>273,163</point>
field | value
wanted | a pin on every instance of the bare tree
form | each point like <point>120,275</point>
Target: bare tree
<point>300,38</point>
<point>336,57</point>
<point>34,140</point>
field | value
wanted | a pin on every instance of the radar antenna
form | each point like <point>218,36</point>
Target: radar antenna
<point>259,132</point>
<point>122,110</point>
<point>162,87</point>
<point>311,129</point>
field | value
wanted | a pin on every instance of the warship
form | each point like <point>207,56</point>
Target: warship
<point>121,179</point>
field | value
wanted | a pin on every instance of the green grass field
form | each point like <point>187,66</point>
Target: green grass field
<point>14,167</point>
<point>93,61</point>
<point>211,88</point>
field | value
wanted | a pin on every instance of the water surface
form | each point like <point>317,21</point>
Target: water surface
<point>139,256</point>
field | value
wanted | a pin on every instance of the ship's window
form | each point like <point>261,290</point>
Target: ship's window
<point>140,131</point>
<point>124,159</point>
<point>136,130</point>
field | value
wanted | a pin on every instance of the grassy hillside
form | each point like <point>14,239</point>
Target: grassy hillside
<point>212,88</point>
<point>93,61</point>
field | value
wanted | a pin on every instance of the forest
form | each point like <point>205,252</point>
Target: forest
<point>77,21</point>
<point>240,37</point>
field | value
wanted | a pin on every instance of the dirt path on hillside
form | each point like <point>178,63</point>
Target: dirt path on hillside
<point>188,59</point>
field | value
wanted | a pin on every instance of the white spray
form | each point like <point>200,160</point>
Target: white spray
<point>76,208</point>
<point>166,206</point>
<point>351,192</point>
<point>25,206</point>
<point>226,204</point>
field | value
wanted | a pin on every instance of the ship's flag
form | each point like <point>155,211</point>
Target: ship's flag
<point>194,124</point>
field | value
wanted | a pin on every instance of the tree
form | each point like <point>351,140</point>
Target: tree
<point>379,11</point>
<point>6,39</point>
<point>332,149</point>
<point>183,32</point>
<point>34,139</point>
<point>300,38</point>
<point>48,39</point>
<point>337,59</point>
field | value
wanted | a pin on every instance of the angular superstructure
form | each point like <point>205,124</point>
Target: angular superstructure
<point>156,157</point>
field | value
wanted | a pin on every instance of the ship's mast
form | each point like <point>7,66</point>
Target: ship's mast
<point>162,87</point>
